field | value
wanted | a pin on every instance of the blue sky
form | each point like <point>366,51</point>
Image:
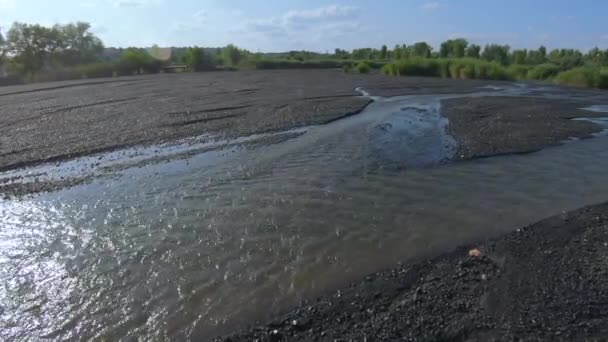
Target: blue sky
<point>279,25</point>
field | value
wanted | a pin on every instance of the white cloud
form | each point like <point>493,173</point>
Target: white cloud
<point>196,22</point>
<point>87,4</point>
<point>135,3</point>
<point>321,13</point>
<point>7,4</point>
<point>431,6</point>
<point>296,22</point>
<point>270,27</point>
<point>318,29</point>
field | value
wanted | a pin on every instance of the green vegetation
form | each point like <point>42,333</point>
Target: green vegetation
<point>197,59</point>
<point>543,71</point>
<point>31,53</point>
<point>363,67</point>
<point>462,68</point>
<point>593,77</point>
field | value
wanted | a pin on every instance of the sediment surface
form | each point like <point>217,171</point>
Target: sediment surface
<point>56,121</point>
<point>488,126</point>
<point>62,120</point>
<point>543,282</point>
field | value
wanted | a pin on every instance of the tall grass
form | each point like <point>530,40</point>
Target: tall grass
<point>543,71</point>
<point>593,77</point>
<point>462,68</point>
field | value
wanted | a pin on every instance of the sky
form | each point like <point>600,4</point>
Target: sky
<point>319,25</point>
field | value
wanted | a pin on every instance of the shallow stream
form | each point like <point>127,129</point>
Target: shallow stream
<point>229,233</point>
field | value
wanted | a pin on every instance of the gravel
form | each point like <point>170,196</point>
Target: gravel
<point>547,281</point>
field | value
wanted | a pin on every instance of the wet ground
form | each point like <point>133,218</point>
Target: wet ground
<point>205,234</point>
<point>56,121</point>
<point>545,282</point>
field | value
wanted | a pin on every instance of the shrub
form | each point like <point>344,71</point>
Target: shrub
<point>543,71</point>
<point>417,67</point>
<point>390,69</point>
<point>582,77</point>
<point>518,72</point>
<point>363,68</point>
<point>602,79</point>
<point>496,71</point>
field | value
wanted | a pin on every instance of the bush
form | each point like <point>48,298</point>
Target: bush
<point>518,72</point>
<point>581,77</point>
<point>543,71</point>
<point>602,79</point>
<point>390,69</point>
<point>593,77</point>
<point>363,68</point>
<point>415,67</point>
<point>198,60</point>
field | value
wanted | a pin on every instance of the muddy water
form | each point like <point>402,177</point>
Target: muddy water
<point>195,246</point>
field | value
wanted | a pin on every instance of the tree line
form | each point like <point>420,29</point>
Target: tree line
<point>74,51</point>
<point>461,48</point>
<point>34,52</point>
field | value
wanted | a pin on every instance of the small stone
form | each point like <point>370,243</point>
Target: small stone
<point>484,277</point>
<point>475,253</point>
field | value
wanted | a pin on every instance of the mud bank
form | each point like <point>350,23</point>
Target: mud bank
<point>544,282</point>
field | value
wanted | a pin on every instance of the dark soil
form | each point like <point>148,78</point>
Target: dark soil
<point>489,126</point>
<point>548,281</point>
<point>61,120</point>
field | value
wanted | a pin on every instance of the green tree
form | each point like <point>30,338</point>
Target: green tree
<point>341,54</point>
<point>2,50</point>
<point>421,49</point>
<point>397,52</point>
<point>597,56</point>
<point>30,46</point>
<point>232,55</point>
<point>198,60</point>
<point>453,48</point>
<point>519,56</point>
<point>542,53</point>
<point>77,44</point>
<point>364,53</point>
<point>473,51</point>
<point>496,53</point>
<point>384,52</point>
<point>138,61</point>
